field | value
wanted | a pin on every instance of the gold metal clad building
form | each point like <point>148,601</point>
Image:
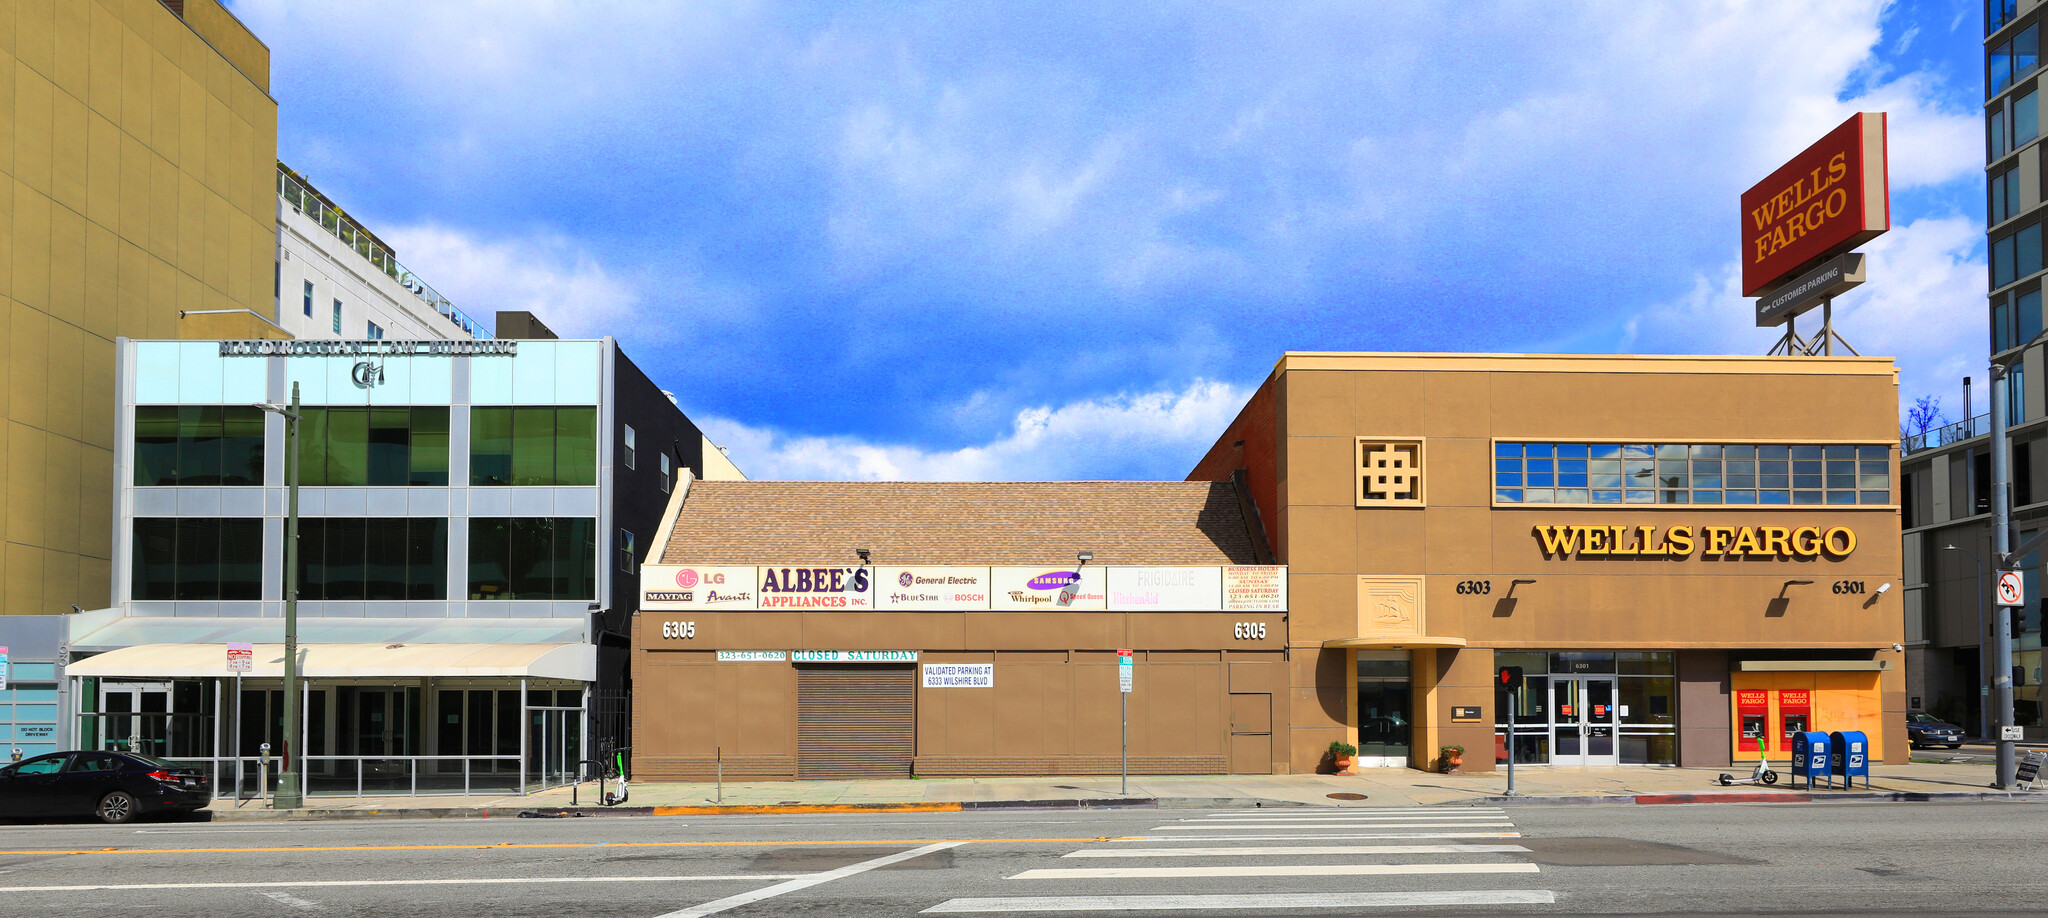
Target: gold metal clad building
<point>1691,558</point>
<point>135,186</point>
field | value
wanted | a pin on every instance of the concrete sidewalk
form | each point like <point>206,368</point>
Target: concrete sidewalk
<point>1378,787</point>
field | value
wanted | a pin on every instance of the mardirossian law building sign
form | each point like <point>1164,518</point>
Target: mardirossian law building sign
<point>1079,588</point>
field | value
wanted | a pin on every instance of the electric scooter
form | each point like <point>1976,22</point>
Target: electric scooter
<point>1762,775</point>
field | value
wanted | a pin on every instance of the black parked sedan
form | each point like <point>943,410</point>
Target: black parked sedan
<point>114,786</point>
<point>1924,729</point>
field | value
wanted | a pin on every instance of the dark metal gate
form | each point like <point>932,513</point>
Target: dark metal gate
<point>855,721</point>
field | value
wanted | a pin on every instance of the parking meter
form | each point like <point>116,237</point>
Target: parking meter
<point>264,754</point>
<point>15,754</point>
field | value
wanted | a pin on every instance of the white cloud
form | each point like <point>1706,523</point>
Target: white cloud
<point>1159,434</point>
<point>549,276</point>
<point>1923,305</point>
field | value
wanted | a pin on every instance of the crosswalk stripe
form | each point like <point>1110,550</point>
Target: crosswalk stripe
<point>1330,825</point>
<point>1476,897</point>
<point>1354,811</point>
<point>1340,819</point>
<point>1283,870</point>
<point>1215,838</point>
<point>1250,851</point>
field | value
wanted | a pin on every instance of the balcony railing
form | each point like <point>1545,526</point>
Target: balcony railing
<point>331,219</point>
<point>1943,436</point>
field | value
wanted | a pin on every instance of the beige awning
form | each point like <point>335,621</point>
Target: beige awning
<point>1394,643</point>
<point>349,661</point>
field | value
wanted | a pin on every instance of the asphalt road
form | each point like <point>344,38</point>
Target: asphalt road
<point>1920,859</point>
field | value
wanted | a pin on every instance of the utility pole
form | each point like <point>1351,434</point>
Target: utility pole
<point>291,767</point>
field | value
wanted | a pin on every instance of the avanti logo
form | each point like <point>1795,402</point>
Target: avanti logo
<point>1055,580</point>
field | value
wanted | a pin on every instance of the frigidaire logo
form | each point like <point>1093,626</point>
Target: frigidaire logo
<point>366,374</point>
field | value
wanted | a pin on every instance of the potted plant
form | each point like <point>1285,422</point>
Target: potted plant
<point>1341,754</point>
<point>1452,757</point>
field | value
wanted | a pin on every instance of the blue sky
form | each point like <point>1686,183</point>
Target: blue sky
<point>1019,240</point>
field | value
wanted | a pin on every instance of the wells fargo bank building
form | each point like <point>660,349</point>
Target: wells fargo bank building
<point>1688,556</point>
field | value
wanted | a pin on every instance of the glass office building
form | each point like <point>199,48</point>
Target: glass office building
<point>468,511</point>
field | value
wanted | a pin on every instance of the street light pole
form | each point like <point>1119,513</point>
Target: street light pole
<point>291,775</point>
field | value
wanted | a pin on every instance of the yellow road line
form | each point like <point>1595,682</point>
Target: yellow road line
<point>508,846</point>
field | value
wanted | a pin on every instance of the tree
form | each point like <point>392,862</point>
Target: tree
<point>1925,415</point>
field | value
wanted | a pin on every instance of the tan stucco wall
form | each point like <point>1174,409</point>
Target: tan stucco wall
<point>1458,405</point>
<point>135,181</point>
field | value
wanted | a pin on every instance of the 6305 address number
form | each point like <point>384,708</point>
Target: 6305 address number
<point>678,629</point>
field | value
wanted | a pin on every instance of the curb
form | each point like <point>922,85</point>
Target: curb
<point>578,812</point>
<point>1784,797</point>
<point>423,812</point>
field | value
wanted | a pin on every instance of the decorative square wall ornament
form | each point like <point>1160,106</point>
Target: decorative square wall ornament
<point>1388,472</point>
<point>1391,607</point>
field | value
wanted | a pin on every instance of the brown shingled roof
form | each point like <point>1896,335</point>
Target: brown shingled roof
<point>998,522</point>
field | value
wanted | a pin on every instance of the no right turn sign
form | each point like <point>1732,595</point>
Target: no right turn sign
<point>2011,590</point>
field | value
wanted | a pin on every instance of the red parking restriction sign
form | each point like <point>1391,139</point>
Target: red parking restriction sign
<point>2011,589</point>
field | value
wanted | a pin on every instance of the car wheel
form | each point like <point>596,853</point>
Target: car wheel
<point>1955,745</point>
<point>116,808</point>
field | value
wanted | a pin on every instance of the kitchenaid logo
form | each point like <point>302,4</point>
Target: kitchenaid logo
<point>1835,542</point>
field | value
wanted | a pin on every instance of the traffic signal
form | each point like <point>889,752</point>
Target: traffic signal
<point>1510,678</point>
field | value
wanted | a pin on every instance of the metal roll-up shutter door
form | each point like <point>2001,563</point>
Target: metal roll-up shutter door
<point>855,721</point>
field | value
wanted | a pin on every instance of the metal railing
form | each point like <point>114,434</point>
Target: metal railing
<point>383,776</point>
<point>1946,434</point>
<point>342,227</point>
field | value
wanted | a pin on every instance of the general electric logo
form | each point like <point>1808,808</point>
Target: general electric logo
<point>904,578</point>
<point>686,578</point>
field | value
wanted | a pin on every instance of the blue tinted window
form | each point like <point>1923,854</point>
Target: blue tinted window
<point>1571,451</point>
<point>1536,450</point>
<point>1606,450</point>
<point>1508,450</point>
<point>2026,261</point>
<point>2026,119</point>
<point>1508,496</point>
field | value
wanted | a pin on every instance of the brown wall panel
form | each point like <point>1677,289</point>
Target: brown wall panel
<point>1704,719</point>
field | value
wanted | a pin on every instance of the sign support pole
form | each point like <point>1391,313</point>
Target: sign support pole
<point>1124,746</point>
<point>1512,708</point>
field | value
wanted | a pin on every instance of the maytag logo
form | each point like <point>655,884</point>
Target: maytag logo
<point>1055,580</point>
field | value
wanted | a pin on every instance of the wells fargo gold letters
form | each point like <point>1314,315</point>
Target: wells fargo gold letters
<point>1680,541</point>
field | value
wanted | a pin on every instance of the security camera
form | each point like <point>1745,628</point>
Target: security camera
<point>1882,587</point>
<point>1896,646</point>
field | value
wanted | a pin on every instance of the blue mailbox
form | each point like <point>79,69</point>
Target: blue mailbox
<point>1850,755</point>
<point>1810,758</point>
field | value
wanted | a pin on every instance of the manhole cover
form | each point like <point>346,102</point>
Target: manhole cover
<point>1345,796</point>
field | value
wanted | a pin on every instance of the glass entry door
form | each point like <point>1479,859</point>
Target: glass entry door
<point>1383,709</point>
<point>1582,711</point>
<point>135,717</point>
